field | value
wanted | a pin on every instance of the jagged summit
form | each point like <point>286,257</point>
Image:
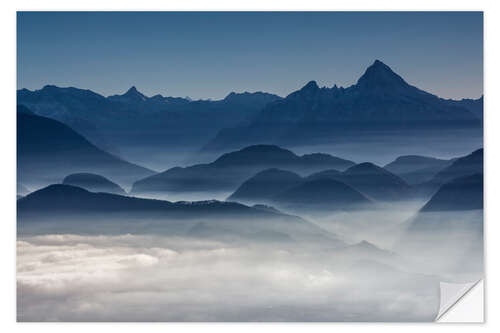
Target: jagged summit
<point>131,96</point>
<point>379,75</point>
<point>310,88</point>
<point>308,92</point>
<point>132,89</point>
<point>134,92</point>
<point>310,85</point>
<point>258,97</point>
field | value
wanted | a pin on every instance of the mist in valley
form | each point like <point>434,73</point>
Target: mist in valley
<point>344,266</point>
<point>323,203</point>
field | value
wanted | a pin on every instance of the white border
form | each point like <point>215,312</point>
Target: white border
<point>8,137</point>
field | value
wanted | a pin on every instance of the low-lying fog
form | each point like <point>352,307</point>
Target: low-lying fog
<point>128,277</point>
<point>78,278</point>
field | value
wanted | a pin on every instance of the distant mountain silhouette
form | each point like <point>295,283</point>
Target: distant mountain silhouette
<point>417,169</point>
<point>375,182</point>
<point>230,170</point>
<point>132,121</point>
<point>48,149</point>
<point>132,96</point>
<point>66,208</point>
<point>467,165</point>
<point>460,167</point>
<point>265,185</point>
<point>271,186</point>
<point>60,198</point>
<point>371,180</point>
<point>93,183</point>
<point>320,194</point>
<point>380,101</point>
<point>464,193</point>
<point>409,163</point>
<point>473,105</point>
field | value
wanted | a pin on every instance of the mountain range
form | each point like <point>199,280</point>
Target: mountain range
<point>371,180</point>
<point>228,171</point>
<point>329,189</point>
<point>64,208</point>
<point>380,103</point>
<point>152,130</point>
<point>130,123</point>
<point>292,192</point>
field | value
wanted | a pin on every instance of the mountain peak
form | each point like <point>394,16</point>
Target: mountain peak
<point>308,91</point>
<point>379,75</point>
<point>133,91</point>
<point>311,85</point>
<point>132,95</point>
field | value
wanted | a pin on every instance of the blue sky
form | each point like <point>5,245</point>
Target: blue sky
<point>208,55</point>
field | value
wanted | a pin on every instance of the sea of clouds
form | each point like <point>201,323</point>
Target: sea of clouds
<point>154,278</point>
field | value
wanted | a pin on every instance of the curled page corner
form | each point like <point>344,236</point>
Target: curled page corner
<point>451,294</point>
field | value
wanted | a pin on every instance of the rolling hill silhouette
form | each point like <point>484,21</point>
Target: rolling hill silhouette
<point>319,195</point>
<point>410,163</point>
<point>48,149</point>
<point>265,185</point>
<point>467,165</point>
<point>93,183</point>
<point>369,179</point>
<point>230,170</point>
<point>460,167</point>
<point>376,182</point>
<point>416,169</point>
<point>274,186</point>
<point>463,193</point>
<point>65,208</point>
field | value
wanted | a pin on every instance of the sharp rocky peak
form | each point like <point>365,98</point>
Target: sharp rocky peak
<point>379,75</point>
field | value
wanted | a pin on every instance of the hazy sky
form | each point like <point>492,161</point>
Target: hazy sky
<point>208,55</point>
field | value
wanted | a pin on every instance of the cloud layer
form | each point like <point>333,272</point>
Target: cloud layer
<point>148,278</point>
